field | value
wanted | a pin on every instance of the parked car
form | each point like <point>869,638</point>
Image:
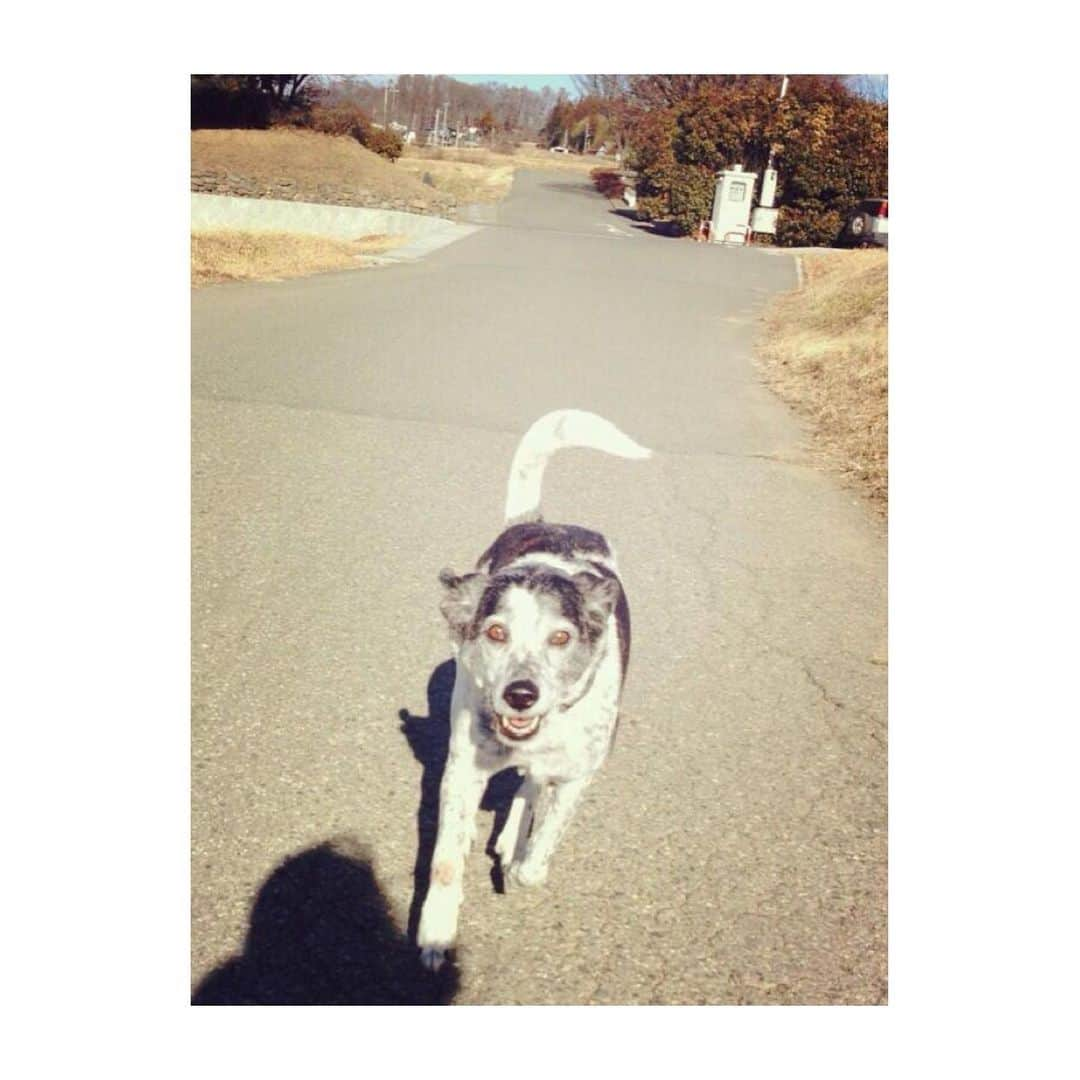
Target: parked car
<point>867,225</point>
<point>559,150</point>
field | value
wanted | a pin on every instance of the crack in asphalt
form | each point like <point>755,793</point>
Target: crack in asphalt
<point>835,702</point>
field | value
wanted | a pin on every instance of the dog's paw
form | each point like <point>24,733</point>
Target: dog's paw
<point>528,875</point>
<point>432,958</point>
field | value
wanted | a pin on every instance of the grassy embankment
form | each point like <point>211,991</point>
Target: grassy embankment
<point>825,352</point>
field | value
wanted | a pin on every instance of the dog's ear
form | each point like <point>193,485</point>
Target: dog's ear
<point>461,599</point>
<point>600,594</point>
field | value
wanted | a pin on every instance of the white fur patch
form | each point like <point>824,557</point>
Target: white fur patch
<point>525,620</point>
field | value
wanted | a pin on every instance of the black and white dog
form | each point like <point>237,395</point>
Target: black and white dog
<point>541,637</point>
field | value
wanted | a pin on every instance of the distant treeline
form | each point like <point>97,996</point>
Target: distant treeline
<point>413,101</point>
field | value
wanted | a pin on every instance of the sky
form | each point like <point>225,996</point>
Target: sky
<point>532,82</point>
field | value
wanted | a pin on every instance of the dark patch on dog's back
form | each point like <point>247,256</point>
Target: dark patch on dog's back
<point>533,537</point>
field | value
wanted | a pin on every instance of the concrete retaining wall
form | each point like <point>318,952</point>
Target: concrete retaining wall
<point>345,222</point>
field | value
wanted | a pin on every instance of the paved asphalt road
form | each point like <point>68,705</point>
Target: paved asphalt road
<point>351,436</point>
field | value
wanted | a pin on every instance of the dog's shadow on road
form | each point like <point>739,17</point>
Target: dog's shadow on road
<point>321,933</point>
<point>429,740</point>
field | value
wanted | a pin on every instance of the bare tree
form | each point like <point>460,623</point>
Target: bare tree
<point>283,88</point>
<point>869,87</point>
<point>606,87</point>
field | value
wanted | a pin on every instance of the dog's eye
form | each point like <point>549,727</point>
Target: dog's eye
<point>496,632</point>
<point>559,638</point>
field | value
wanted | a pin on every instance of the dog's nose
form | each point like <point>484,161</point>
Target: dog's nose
<point>521,694</point>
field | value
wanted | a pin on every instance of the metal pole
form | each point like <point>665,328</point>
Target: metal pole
<point>783,91</point>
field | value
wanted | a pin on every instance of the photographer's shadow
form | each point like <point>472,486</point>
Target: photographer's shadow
<point>321,934</point>
<point>429,739</point>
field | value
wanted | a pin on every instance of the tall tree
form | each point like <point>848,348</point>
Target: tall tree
<point>284,89</point>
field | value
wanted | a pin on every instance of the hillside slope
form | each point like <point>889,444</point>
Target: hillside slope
<point>305,166</point>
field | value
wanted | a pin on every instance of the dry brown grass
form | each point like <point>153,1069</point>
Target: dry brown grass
<point>825,351</point>
<point>526,155</point>
<point>482,175</point>
<point>531,156</point>
<point>232,255</point>
<point>310,159</point>
<point>469,176</point>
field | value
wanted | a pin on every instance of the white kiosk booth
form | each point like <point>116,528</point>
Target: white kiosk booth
<point>732,202</point>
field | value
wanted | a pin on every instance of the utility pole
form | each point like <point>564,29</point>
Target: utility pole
<point>388,89</point>
<point>772,150</point>
<point>766,211</point>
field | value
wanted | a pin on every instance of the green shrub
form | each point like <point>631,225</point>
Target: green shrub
<point>380,141</point>
<point>691,197</point>
<point>652,207</point>
<point>808,224</point>
<point>339,118</point>
<point>347,118</point>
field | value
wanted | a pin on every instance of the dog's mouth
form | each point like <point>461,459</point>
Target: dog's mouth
<point>517,727</point>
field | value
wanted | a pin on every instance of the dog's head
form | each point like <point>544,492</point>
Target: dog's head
<point>530,638</point>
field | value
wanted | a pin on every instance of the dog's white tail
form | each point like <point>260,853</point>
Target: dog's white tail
<point>556,430</point>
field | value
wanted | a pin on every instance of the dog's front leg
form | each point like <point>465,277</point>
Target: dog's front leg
<point>554,811</point>
<point>459,798</point>
<point>510,847</point>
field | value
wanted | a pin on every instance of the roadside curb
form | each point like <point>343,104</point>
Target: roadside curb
<point>426,233</point>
